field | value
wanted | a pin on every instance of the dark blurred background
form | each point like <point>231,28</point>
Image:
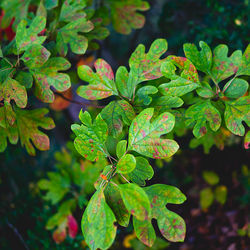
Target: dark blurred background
<point>23,214</point>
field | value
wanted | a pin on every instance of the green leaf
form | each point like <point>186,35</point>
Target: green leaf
<point>7,115</point>
<point>90,138</point>
<point>143,171</point>
<point>57,186</point>
<point>136,200</point>
<point>146,66</point>
<point>179,85</point>
<point>171,225</point>
<point>244,68</point>
<point>47,76</point>
<point>205,90</point>
<point>126,164</point>
<point>17,9</point>
<point>117,113</point>
<point>165,103</point>
<point>24,78</point>
<point>121,148</point>
<point>35,56</point>
<point>224,66</point>
<point>220,194</point>
<point>50,4</point>
<point>11,89</point>
<point>98,223</point>
<point>237,88</point>
<point>25,37</point>
<point>10,133</point>
<point>144,137</point>
<point>202,59</point>
<point>236,112</point>
<point>101,84</point>
<point>72,10</point>
<point>69,35</point>
<point>144,231</point>
<point>1,53</point>
<point>114,200</point>
<point>28,122</point>
<point>201,113</point>
<point>210,177</point>
<point>209,139</point>
<point>125,82</point>
<point>142,95</point>
<point>206,198</point>
<point>125,17</point>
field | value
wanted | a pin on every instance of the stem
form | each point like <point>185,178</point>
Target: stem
<point>228,84</point>
<point>79,103</point>
<point>124,178</point>
<point>216,84</point>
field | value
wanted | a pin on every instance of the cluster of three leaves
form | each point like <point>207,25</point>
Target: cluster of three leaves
<point>116,203</point>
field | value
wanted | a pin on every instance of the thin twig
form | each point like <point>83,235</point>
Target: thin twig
<point>79,103</point>
<point>228,84</point>
<point>124,178</point>
<point>17,233</point>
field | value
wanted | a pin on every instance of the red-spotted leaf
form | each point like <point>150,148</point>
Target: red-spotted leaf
<point>181,84</point>
<point>144,137</point>
<point>171,225</point>
<point>202,59</point>
<point>7,115</point>
<point>247,140</point>
<point>236,112</point>
<point>125,17</point>
<point>114,200</point>
<point>98,223</point>
<point>35,56</point>
<point>25,37</point>
<point>47,76</point>
<point>69,35</point>
<point>117,114</point>
<point>144,231</point>
<point>143,171</point>
<point>28,122</point>
<point>244,68</point>
<point>224,66</point>
<point>101,83</point>
<point>136,200</point>
<point>146,66</point>
<point>91,137</point>
<point>201,113</point>
<point>11,89</point>
<point>72,10</point>
<point>126,164</point>
<point>72,226</point>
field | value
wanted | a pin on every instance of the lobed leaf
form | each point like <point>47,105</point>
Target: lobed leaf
<point>91,137</point>
<point>116,114</point>
<point>136,201</point>
<point>236,112</point>
<point>25,37</point>
<point>224,66</point>
<point>201,113</point>
<point>244,68</point>
<point>144,137</point>
<point>125,17</point>
<point>69,35</point>
<point>101,84</point>
<point>202,59</point>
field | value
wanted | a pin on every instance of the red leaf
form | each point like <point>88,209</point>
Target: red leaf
<point>72,226</point>
<point>59,235</point>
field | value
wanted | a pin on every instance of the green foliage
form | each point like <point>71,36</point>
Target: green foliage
<point>214,192</point>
